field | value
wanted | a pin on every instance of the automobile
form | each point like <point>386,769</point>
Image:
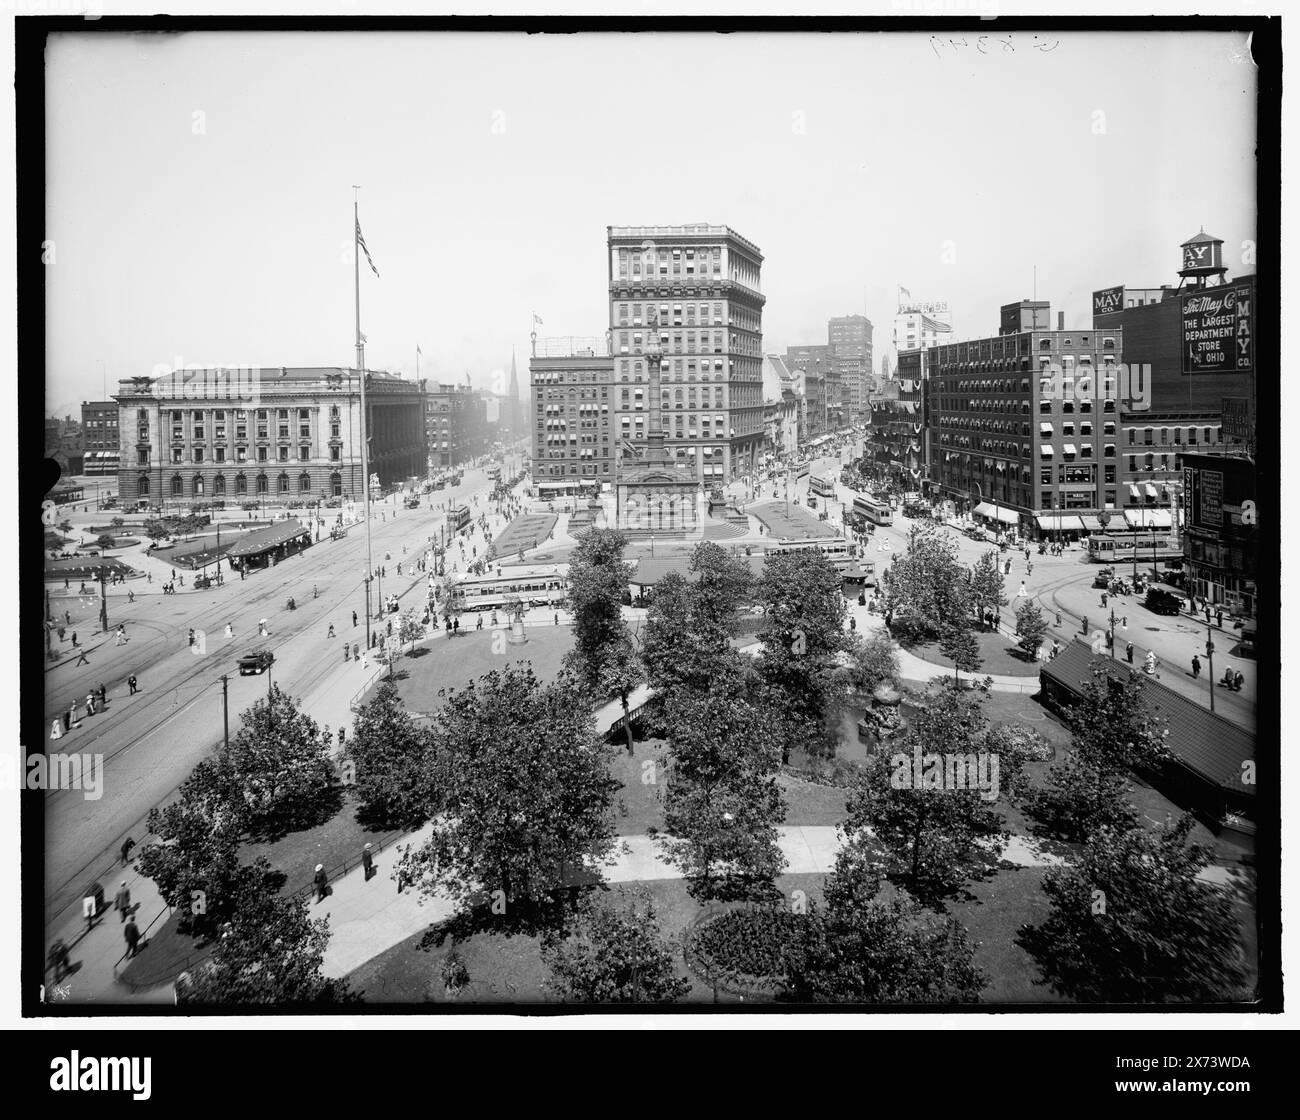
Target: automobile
<point>1163,602</point>
<point>976,534</point>
<point>915,509</point>
<point>1103,577</point>
<point>255,663</point>
<point>333,503</point>
<point>412,502</point>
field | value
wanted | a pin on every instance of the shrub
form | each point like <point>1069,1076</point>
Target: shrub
<point>745,948</point>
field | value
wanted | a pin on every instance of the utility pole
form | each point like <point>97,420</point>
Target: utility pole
<point>225,709</point>
<point>103,601</point>
<point>1209,653</point>
<point>361,373</point>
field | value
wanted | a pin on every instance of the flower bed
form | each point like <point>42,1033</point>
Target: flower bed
<point>743,949</point>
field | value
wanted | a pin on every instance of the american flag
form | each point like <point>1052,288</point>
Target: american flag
<point>362,242</point>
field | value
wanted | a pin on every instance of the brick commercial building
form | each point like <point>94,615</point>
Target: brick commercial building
<point>1220,546</point>
<point>897,438</point>
<point>573,444</point>
<point>698,287</point>
<point>851,358</point>
<point>100,439</point>
<point>455,422</point>
<point>1024,425</point>
<point>202,436</point>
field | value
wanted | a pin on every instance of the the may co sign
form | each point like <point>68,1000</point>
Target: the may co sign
<point>1108,300</point>
<point>1219,329</point>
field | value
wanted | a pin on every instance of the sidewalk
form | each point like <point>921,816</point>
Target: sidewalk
<point>366,919</point>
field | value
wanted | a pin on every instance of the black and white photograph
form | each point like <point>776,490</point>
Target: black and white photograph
<point>543,519</point>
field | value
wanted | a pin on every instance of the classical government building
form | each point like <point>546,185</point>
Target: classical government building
<point>279,434</point>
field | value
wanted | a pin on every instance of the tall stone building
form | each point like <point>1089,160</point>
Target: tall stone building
<point>701,282</point>
<point>851,356</point>
<point>573,435</point>
<point>455,425</point>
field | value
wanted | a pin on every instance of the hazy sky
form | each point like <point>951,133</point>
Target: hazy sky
<point>200,185</point>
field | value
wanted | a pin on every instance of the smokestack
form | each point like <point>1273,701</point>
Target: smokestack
<point>1060,320</point>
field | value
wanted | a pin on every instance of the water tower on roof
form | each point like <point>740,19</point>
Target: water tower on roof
<point>1202,259</point>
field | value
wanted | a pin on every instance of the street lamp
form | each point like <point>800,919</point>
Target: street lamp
<point>1123,626</point>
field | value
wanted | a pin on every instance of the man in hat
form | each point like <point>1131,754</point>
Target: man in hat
<point>131,935</point>
<point>321,882</point>
<point>122,901</point>
<point>367,862</point>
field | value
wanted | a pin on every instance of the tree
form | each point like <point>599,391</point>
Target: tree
<point>924,806</point>
<point>268,952</point>
<point>679,656</point>
<point>614,955</point>
<point>524,791</point>
<point>394,763</point>
<point>281,763</point>
<point>195,863</point>
<point>986,586</point>
<point>453,598</point>
<point>620,672</point>
<point>104,541</point>
<point>1132,923</point>
<point>873,661</point>
<point>1112,732</point>
<point>723,805</point>
<point>722,584</point>
<point>864,949</point>
<point>410,630</point>
<point>927,588</point>
<point>961,647</point>
<point>597,579</point>
<point>803,631</point>
<point>1031,628</point>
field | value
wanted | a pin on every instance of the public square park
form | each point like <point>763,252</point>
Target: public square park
<point>697,799</point>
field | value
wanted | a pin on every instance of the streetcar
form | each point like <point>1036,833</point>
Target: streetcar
<point>840,552</point>
<point>538,585</point>
<point>822,487</point>
<point>1145,544</point>
<point>874,510</point>
<point>458,518</point>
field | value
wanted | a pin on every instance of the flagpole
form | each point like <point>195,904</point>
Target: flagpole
<point>361,373</point>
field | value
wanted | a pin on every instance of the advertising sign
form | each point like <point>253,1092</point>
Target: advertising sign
<point>1107,300</point>
<point>1219,330</point>
<point>1211,495</point>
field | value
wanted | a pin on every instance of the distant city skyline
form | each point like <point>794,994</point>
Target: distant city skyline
<point>200,185</point>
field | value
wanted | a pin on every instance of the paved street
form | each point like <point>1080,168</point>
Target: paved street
<point>151,741</point>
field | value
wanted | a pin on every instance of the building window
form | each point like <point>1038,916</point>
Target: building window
<point>178,486</point>
<point>261,455</point>
<point>241,484</point>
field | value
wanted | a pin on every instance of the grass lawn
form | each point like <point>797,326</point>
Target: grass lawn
<point>1001,656</point>
<point>454,663</point>
<point>336,843</point>
<point>509,969</point>
<point>639,803</point>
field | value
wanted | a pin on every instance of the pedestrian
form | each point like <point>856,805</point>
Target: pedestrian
<point>365,662</point>
<point>68,717</point>
<point>456,625</point>
<point>131,935</point>
<point>122,901</point>
<point>230,630</point>
<point>331,632</point>
<point>56,728</point>
<point>557,619</point>
<point>321,882</point>
<point>67,618</point>
<point>74,639</point>
<point>354,618</point>
<point>1029,567</point>
<point>1196,667</point>
<point>82,660</point>
<point>367,862</point>
<point>191,638</point>
<point>121,636</point>
<point>1103,598</point>
<point>356,651</point>
<point>103,695</point>
<point>390,628</point>
<point>1128,653</point>
<point>1218,617</point>
<point>130,596</point>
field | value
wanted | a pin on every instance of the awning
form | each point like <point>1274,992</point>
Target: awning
<point>1069,449</point>
<point>1045,450</point>
<point>1149,518</point>
<point>1059,522</point>
<point>1150,490</point>
<point>1133,491</point>
<point>1092,524</point>
<point>1044,429</point>
<point>998,513</point>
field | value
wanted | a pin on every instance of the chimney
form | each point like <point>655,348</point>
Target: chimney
<point>1060,320</point>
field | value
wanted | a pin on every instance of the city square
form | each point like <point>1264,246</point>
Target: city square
<point>760,642</point>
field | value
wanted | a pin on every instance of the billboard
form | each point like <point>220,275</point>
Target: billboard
<point>1219,329</point>
<point>1108,300</point>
